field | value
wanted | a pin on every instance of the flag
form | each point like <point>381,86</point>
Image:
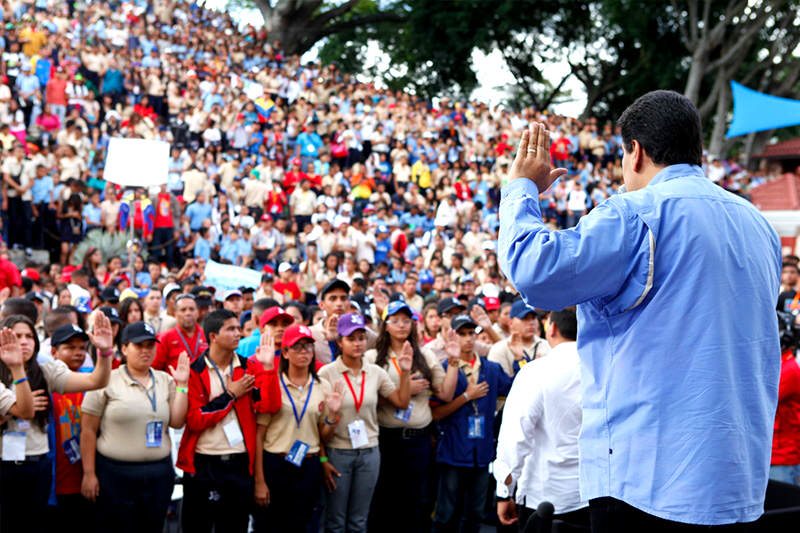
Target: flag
<point>149,214</point>
<point>124,216</point>
<point>263,107</point>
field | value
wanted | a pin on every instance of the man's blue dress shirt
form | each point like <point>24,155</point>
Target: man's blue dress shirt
<point>676,286</point>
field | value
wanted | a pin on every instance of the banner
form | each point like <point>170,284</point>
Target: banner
<point>755,111</point>
<point>137,162</point>
<point>228,277</point>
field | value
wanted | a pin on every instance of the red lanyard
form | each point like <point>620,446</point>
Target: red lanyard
<point>357,401</point>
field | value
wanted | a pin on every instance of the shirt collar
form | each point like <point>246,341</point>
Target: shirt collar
<point>677,171</point>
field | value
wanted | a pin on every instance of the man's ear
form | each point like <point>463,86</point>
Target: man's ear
<point>637,156</point>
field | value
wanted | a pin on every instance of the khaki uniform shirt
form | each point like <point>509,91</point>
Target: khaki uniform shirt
<point>125,411</point>
<point>377,383</point>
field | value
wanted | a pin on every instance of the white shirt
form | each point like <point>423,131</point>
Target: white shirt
<point>538,441</point>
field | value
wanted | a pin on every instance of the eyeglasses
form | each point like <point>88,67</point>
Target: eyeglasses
<point>399,321</point>
<point>302,347</point>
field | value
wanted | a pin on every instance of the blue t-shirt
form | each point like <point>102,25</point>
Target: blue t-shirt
<point>382,249</point>
<point>92,214</point>
<point>112,81</point>
<point>202,248</point>
<point>197,213</point>
<point>41,190</point>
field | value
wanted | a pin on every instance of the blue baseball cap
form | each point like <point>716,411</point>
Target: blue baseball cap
<point>383,229</point>
<point>426,277</point>
<point>350,323</point>
<point>519,309</point>
<point>395,307</point>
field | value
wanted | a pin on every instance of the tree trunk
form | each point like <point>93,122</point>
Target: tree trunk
<point>696,72</point>
<point>755,144</point>
<point>717,144</point>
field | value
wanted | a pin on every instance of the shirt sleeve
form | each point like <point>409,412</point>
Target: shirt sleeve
<point>56,373</point>
<point>556,269</point>
<point>437,371</point>
<point>385,385</point>
<point>499,354</point>
<point>7,399</point>
<point>515,440</point>
<point>94,402</point>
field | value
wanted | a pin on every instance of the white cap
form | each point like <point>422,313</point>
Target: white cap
<point>315,234</point>
<point>284,267</point>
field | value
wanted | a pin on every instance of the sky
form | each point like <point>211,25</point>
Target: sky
<point>490,69</point>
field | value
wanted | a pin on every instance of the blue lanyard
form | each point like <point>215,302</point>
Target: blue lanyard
<point>219,374</point>
<point>305,405</point>
<point>192,354</point>
<point>152,389</point>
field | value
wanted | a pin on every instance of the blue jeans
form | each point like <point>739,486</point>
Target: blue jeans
<point>348,505</point>
<point>461,499</point>
<point>785,473</point>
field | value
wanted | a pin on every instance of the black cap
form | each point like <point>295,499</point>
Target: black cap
<point>447,304</point>
<point>64,333</point>
<point>461,321</point>
<point>245,290</point>
<point>138,332</point>
<point>110,294</point>
<point>267,276</point>
<point>335,283</point>
<point>203,295</point>
<point>35,295</point>
<point>111,314</point>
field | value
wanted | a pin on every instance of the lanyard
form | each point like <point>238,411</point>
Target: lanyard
<point>396,366</point>
<point>291,400</point>
<point>152,389</point>
<point>219,374</point>
<point>796,299</point>
<point>192,354</point>
<point>357,401</point>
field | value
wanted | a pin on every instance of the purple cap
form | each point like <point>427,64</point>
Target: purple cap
<point>349,323</point>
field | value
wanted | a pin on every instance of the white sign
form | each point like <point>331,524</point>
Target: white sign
<point>137,162</point>
<point>228,277</point>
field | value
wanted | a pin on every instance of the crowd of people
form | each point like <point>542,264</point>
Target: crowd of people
<point>361,383</point>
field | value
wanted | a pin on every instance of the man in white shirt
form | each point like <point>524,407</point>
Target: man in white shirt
<point>537,448</point>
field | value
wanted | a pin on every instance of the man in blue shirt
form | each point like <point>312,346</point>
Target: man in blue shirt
<point>198,211</point>
<point>308,145</point>
<point>202,246</point>
<point>676,282</point>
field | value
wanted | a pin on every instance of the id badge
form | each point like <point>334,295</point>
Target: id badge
<point>233,432</point>
<point>153,434</point>
<point>13,446</point>
<point>23,425</point>
<point>358,434</point>
<point>475,430</point>
<point>404,415</point>
<point>297,453</point>
<point>72,449</point>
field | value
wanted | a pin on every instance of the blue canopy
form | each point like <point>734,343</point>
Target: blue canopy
<point>755,111</point>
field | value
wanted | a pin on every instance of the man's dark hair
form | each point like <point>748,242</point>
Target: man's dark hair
<point>60,316</point>
<point>262,304</point>
<point>667,126</point>
<point>301,307</point>
<point>566,322</point>
<point>215,320</point>
<point>20,306</point>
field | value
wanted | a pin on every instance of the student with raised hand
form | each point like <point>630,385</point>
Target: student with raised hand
<point>26,469</point>
<point>405,435</point>
<point>350,470</point>
<point>218,447</point>
<point>127,468</point>
<point>466,444</point>
<point>288,472</point>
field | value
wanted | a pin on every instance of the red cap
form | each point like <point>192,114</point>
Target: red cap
<point>268,268</point>
<point>271,314</point>
<point>296,161</point>
<point>31,273</point>
<point>491,303</point>
<point>295,333</point>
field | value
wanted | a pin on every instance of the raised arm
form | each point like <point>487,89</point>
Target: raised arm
<point>103,338</point>
<point>556,269</point>
<point>11,355</point>
<point>401,395</point>
<point>180,403</point>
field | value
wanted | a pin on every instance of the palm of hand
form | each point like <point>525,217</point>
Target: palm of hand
<point>10,352</point>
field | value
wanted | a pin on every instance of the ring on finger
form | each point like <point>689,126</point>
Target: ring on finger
<point>532,150</point>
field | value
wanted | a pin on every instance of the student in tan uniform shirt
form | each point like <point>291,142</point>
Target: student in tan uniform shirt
<point>354,459</point>
<point>405,435</point>
<point>288,473</point>
<point>523,345</point>
<point>26,471</point>
<point>127,469</point>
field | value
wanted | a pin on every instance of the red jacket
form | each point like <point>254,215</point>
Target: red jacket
<point>205,412</point>
<point>786,437</point>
